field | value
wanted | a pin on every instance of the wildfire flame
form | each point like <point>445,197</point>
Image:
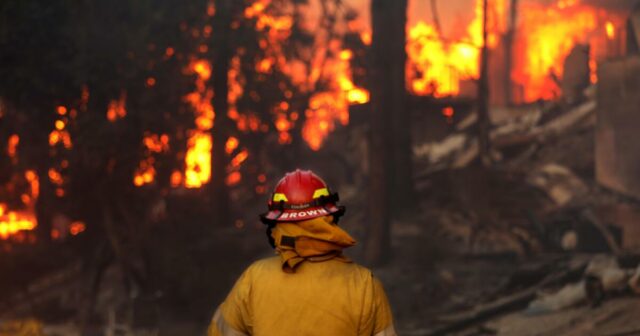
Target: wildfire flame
<point>12,145</point>
<point>200,142</point>
<point>327,107</point>
<point>60,135</point>
<point>117,108</point>
<point>146,172</point>
<point>551,33</point>
<point>13,222</point>
<point>545,36</point>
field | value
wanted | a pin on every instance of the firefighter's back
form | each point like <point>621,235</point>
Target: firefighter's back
<point>328,297</point>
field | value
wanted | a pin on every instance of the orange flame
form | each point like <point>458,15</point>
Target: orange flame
<point>436,67</point>
<point>611,30</point>
<point>231,145</point>
<point>198,160</point>
<point>13,222</point>
<point>117,108</point>
<point>77,228</point>
<point>146,172</point>
<point>12,145</point>
<point>60,135</point>
<point>239,159</point>
<point>551,33</point>
<point>200,143</point>
<point>327,107</point>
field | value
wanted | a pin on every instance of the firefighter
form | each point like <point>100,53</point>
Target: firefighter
<point>310,288</point>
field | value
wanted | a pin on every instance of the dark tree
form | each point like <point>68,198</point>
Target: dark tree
<point>390,157</point>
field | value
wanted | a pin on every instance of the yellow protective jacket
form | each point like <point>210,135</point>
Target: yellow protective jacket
<point>323,298</point>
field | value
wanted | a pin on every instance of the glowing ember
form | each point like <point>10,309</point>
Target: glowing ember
<point>156,143</point>
<point>448,112</point>
<point>12,145</point>
<point>234,178</point>
<point>77,228</point>
<point>176,179</point>
<point>117,108</point>
<point>60,135</point>
<point>231,145</point>
<point>146,172</point>
<point>34,182</point>
<point>611,30</point>
<point>239,159</point>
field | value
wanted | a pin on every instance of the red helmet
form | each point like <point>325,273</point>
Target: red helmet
<point>301,195</point>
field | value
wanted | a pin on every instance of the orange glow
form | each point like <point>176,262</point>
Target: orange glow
<point>264,66</point>
<point>211,9</point>
<point>546,34</point>
<point>198,160</point>
<point>145,174</point>
<point>200,142</point>
<point>60,125</point>
<point>593,71</point>
<point>234,178</point>
<point>34,182</point>
<point>55,177</point>
<point>327,107</point>
<point>448,112</point>
<point>117,108</point>
<point>202,68</point>
<point>176,179</point>
<point>551,34</point>
<point>151,82</point>
<point>231,145</point>
<point>12,145</point>
<point>77,228</point>
<point>200,100</point>
<point>13,222</point>
<point>239,159</point>
<point>611,30</point>
<point>366,38</point>
<point>60,135</point>
<point>61,110</point>
<point>156,143</point>
<point>436,67</point>
<point>169,52</point>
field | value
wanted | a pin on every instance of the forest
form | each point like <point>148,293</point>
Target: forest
<point>484,150</point>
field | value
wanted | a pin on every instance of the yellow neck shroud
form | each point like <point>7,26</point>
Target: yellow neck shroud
<point>316,239</point>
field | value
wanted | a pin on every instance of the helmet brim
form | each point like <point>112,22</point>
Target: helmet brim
<point>296,215</point>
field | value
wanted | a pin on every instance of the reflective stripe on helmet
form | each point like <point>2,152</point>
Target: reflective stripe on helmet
<point>320,192</point>
<point>277,197</point>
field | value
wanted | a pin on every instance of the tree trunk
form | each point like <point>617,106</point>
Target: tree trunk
<point>388,158</point>
<point>220,161</point>
<point>508,53</point>
<point>402,165</point>
<point>483,94</point>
